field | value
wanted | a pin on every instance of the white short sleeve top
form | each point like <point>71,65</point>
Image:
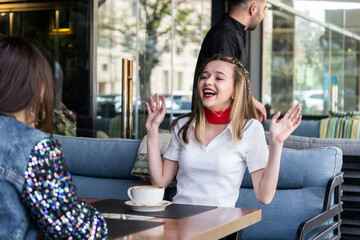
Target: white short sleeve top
<point>212,175</point>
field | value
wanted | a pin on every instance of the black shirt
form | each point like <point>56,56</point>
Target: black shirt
<point>228,37</point>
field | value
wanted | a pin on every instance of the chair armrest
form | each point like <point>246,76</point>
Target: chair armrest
<point>330,212</point>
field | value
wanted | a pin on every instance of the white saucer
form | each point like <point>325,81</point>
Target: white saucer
<point>148,208</point>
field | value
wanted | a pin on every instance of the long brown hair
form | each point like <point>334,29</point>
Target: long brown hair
<point>24,74</point>
<point>242,108</point>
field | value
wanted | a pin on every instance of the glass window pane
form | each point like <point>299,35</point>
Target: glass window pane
<point>351,75</point>
<point>309,63</point>
<point>5,23</point>
<point>155,24</point>
<point>162,38</point>
<point>163,41</point>
<point>117,39</point>
<point>192,20</point>
<point>61,31</point>
<point>337,72</point>
<point>311,68</point>
<point>279,59</point>
<point>330,11</point>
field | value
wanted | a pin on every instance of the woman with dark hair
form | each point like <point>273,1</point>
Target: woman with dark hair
<point>36,191</point>
<point>212,145</point>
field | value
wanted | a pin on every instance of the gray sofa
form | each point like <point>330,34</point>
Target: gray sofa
<point>101,168</point>
<point>306,136</point>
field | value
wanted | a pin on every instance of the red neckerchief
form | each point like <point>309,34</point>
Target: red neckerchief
<point>218,117</point>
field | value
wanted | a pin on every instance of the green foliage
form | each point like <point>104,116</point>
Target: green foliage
<point>65,122</point>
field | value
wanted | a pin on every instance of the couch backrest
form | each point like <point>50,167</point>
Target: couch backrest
<point>349,147</point>
<point>92,157</point>
<point>303,177</point>
<point>308,128</point>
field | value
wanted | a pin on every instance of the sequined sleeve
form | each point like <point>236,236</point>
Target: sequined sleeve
<point>50,196</point>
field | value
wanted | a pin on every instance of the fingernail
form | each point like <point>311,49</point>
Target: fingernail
<point>278,112</point>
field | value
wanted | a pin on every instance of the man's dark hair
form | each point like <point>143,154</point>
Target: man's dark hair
<point>236,3</point>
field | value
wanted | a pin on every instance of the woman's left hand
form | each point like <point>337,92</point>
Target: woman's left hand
<point>281,130</point>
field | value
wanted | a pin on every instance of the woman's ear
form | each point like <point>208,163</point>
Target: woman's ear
<point>31,117</point>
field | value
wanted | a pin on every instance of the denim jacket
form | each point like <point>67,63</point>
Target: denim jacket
<point>16,141</point>
<point>36,190</point>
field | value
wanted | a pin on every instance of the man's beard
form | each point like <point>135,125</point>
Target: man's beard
<point>251,27</point>
<point>254,23</point>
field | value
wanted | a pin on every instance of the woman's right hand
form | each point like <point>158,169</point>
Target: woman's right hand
<point>156,113</point>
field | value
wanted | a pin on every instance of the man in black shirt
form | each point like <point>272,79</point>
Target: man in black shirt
<point>229,37</point>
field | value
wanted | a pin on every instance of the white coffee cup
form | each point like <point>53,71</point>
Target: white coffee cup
<point>146,195</point>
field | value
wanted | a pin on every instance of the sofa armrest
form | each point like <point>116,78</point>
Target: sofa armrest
<point>331,211</point>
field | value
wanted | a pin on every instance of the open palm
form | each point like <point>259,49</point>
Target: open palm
<point>156,112</point>
<point>282,129</point>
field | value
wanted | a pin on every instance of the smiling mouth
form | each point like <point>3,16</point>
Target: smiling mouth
<point>208,93</point>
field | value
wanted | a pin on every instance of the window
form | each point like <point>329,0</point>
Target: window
<point>310,62</point>
<point>157,36</point>
<point>104,67</point>
<point>161,41</point>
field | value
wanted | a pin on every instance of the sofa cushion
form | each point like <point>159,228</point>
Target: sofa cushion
<point>108,158</point>
<point>340,127</point>
<point>140,168</point>
<point>303,177</point>
<point>309,128</point>
<point>323,163</point>
<point>348,146</point>
<point>282,217</point>
<point>104,187</point>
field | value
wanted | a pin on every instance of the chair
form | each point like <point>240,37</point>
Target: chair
<point>331,211</point>
<point>307,200</point>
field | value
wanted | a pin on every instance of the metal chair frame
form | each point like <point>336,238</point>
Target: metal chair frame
<point>331,210</point>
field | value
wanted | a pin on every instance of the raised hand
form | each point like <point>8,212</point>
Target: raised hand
<point>156,113</point>
<point>281,130</point>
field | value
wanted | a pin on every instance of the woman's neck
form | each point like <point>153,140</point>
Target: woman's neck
<point>216,125</point>
<point>22,117</point>
<point>212,131</point>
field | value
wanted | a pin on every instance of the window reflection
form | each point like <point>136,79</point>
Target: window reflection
<point>309,62</point>
<point>4,22</point>
<point>281,60</point>
<point>161,37</point>
<point>311,67</point>
<point>61,30</point>
<point>351,75</point>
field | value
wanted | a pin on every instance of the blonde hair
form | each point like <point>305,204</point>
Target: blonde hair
<point>242,108</point>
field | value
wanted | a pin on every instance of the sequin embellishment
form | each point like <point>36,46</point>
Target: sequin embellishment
<point>50,196</point>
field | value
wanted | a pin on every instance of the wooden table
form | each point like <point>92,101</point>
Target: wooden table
<point>212,224</point>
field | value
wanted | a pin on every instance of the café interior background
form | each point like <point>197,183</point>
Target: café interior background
<point>303,52</point>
